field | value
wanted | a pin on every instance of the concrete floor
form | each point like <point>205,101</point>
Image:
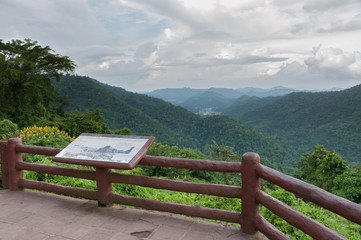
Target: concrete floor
<point>37,215</point>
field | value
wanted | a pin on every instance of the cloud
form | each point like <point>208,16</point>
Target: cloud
<point>145,50</point>
<point>323,5</point>
<point>343,25</point>
<point>246,60</point>
<point>149,44</point>
<point>324,69</point>
<point>335,63</point>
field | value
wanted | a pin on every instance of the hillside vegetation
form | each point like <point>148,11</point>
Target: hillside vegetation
<point>301,120</point>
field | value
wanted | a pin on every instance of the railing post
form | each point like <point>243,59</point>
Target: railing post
<point>104,186</point>
<point>4,165</point>
<point>250,185</point>
<point>13,157</point>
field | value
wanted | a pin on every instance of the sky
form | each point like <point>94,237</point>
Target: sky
<point>143,45</point>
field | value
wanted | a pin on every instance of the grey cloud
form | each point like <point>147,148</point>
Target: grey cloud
<point>298,75</point>
<point>247,60</point>
<point>169,9</point>
<point>324,5</point>
<point>145,50</point>
<point>300,27</point>
<point>121,73</point>
<point>293,69</point>
<point>340,26</point>
<point>213,35</point>
<point>204,63</point>
<point>62,24</point>
<point>200,54</point>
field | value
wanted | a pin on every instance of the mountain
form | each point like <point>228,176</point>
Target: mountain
<point>85,94</point>
<point>259,92</point>
<point>217,102</point>
<point>175,95</point>
<point>303,119</point>
<point>172,124</point>
<point>247,103</point>
<point>180,95</point>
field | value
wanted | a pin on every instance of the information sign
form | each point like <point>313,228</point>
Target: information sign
<point>108,151</point>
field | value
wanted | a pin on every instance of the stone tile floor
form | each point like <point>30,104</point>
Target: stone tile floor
<point>44,216</point>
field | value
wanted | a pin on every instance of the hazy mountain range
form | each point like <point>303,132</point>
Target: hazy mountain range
<point>218,99</point>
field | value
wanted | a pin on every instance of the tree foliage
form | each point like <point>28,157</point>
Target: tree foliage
<point>348,184</point>
<point>123,131</point>
<point>224,153</point>
<point>321,167</point>
<point>164,150</point>
<point>26,92</point>
<point>76,123</point>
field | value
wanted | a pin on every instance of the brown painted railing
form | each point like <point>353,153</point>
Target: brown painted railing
<point>252,171</point>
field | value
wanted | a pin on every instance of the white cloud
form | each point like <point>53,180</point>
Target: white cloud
<point>335,63</point>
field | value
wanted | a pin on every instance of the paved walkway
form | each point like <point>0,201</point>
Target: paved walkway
<point>44,216</point>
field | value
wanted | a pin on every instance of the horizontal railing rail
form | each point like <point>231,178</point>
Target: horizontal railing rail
<point>251,170</point>
<point>297,219</point>
<point>179,186</point>
<point>59,189</point>
<point>329,201</point>
<point>56,170</point>
<point>47,151</point>
<point>192,164</point>
<point>194,211</point>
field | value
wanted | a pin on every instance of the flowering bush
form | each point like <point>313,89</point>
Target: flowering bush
<point>41,136</point>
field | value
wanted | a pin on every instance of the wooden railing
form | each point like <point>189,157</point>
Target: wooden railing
<point>251,194</point>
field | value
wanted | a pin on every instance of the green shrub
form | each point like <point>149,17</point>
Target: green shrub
<point>7,126</point>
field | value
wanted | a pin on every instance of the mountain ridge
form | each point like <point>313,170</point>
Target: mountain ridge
<point>180,95</point>
<point>304,119</point>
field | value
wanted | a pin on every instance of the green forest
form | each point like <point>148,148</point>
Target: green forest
<point>45,104</point>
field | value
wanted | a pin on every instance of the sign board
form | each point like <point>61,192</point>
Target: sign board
<point>107,151</point>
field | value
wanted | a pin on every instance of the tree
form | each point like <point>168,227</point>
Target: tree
<point>223,153</point>
<point>321,167</point>
<point>76,123</point>
<point>348,184</point>
<point>26,70</point>
<point>123,131</point>
<point>164,150</point>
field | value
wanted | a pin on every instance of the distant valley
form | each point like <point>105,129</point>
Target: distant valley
<point>215,101</point>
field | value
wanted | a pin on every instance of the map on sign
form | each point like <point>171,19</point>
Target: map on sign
<point>100,150</point>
